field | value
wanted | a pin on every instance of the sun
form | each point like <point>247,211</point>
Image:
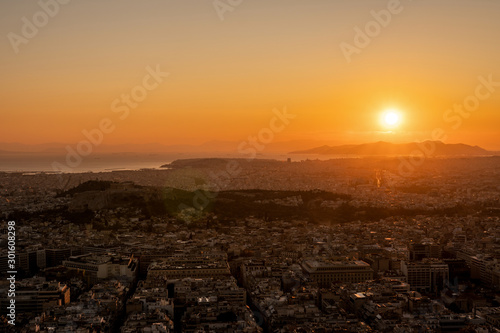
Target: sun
<point>391,118</point>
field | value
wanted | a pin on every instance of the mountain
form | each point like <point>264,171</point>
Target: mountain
<point>231,147</point>
<point>434,148</point>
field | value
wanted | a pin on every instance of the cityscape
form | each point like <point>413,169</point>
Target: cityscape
<point>341,245</point>
<point>250,166</point>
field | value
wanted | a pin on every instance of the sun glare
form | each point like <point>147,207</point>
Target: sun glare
<point>391,118</point>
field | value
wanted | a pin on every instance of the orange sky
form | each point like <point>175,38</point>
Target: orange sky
<point>227,76</point>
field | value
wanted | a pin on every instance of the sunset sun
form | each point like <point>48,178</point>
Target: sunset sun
<point>391,118</point>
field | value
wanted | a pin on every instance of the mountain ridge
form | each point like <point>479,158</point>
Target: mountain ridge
<point>282,147</point>
<point>432,148</point>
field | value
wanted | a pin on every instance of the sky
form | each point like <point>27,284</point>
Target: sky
<point>334,67</point>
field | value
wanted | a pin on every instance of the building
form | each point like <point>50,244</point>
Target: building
<point>96,267</point>
<point>427,275</point>
<point>378,263</point>
<point>183,267</point>
<point>422,251</point>
<point>37,296</point>
<point>55,257</point>
<point>326,272</point>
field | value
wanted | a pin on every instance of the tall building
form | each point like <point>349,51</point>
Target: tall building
<point>55,257</point>
<point>427,275</point>
<point>41,259</point>
<point>422,251</point>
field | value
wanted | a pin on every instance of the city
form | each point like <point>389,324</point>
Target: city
<point>311,246</point>
<point>254,166</point>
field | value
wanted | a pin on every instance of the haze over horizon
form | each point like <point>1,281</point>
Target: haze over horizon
<point>225,77</point>
<point>233,148</point>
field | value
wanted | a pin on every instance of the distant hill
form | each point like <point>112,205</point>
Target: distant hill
<point>385,148</point>
<point>222,148</point>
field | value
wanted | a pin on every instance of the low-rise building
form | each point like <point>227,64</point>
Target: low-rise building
<point>326,272</point>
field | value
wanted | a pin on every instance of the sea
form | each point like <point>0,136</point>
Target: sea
<point>38,162</point>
